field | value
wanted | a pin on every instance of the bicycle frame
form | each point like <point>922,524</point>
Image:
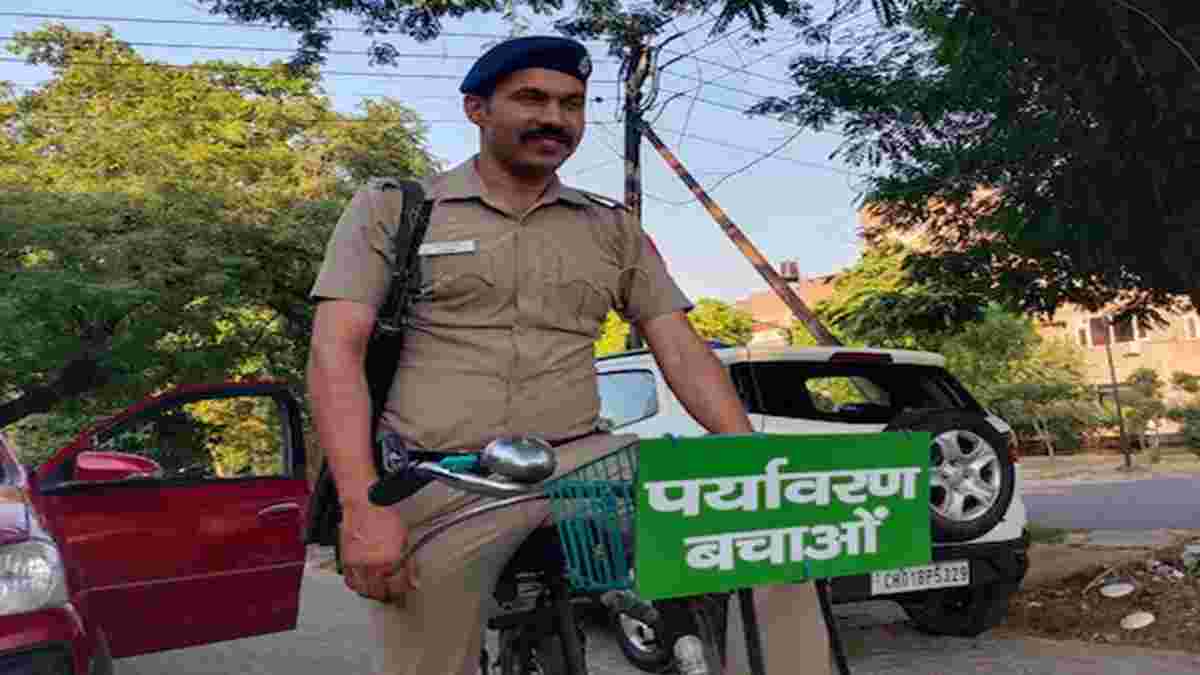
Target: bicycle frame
<point>453,471</point>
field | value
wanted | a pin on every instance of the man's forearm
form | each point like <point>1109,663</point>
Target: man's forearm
<point>341,406</point>
<point>697,377</point>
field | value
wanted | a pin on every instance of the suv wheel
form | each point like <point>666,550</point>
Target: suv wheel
<point>972,477</point>
<point>961,612</point>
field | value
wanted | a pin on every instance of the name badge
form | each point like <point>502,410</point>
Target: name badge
<point>447,247</point>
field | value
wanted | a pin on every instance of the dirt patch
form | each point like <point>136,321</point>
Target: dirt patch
<point>1108,467</point>
<point>1073,608</point>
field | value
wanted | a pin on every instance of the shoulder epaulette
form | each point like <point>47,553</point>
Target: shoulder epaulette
<point>606,202</point>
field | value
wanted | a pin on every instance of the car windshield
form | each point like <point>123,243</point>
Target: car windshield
<point>846,392</point>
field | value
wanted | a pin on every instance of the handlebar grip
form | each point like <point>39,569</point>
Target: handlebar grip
<point>398,486</point>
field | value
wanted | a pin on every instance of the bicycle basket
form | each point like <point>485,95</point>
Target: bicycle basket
<point>593,509</point>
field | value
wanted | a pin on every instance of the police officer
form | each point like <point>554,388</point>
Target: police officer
<point>520,274</point>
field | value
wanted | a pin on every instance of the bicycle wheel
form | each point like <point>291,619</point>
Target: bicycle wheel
<point>519,656</point>
<point>701,618</point>
<point>708,618</point>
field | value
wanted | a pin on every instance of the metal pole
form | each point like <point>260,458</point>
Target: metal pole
<point>793,301</point>
<point>1112,371</point>
<point>639,64</point>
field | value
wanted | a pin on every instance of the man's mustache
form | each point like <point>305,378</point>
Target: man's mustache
<point>551,133</point>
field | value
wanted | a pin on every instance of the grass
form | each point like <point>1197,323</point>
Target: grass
<point>1041,534</point>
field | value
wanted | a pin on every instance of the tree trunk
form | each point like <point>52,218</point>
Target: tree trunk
<point>80,375</point>
<point>1044,432</point>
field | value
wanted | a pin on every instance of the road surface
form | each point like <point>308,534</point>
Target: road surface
<point>1157,503</point>
<point>331,638</point>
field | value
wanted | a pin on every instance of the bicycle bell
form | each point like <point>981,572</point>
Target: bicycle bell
<point>524,459</point>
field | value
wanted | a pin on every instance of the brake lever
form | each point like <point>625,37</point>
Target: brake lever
<point>398,486</point>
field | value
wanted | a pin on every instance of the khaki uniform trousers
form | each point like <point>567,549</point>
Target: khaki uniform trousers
<point>438,629</point>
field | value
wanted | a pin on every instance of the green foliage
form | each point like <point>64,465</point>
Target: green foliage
<point>586,19</point>
<point>1088,202</point>
<point>712,319</point>
<point>1186,382</point>
<point>164,225</point>
<point>242,435</point>
<point>612,335</point>
<point>877,303</point>
<point>717,320</point>
<point>1188,414</point>
<point>1142,405</point>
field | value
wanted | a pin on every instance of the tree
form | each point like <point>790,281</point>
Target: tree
<point>588,19</point>
<point>720,321</point>
<point>612,335</point>
<point>1043,149</point>
<point>163,224</point>
<point>712,319</point>
<point>877,302</point>
<point>1143,406</point>
<point>1187,414</point>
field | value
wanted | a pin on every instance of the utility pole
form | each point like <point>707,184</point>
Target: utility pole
<point>760,263</point>
<point>637,68</point>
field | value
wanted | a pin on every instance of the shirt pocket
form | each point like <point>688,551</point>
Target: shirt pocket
<point>579,293</point>
<point>456,280</point>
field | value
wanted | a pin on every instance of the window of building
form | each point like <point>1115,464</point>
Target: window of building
<point>1099,330</point>
<point>1123,330</point>
<point>1083,336</point>
<point>1190,328</point>
<point>1141,330</point>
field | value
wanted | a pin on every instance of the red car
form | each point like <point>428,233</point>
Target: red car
<point>178,522</point>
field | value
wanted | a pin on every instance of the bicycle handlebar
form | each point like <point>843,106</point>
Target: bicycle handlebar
<point>454,470</point>
<point>396,487</point>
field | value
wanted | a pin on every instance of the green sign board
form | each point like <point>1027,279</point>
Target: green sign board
<point>718,513</point>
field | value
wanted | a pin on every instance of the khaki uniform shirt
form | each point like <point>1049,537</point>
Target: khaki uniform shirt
<point>501,339</point>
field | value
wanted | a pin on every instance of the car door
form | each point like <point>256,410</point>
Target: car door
<point>204,548</point>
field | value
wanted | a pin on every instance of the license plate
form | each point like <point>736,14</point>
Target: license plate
<point>925,577</point>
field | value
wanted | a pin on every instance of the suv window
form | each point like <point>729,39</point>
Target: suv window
<point>854,393</point>
<point>828,394</point>
<point>627,396</point>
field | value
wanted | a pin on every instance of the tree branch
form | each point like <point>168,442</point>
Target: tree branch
<point>81,374</point>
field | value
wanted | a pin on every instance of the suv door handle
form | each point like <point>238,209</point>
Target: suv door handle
<point>276,510</point>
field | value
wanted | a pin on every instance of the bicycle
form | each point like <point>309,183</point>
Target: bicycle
<point>586,552</point>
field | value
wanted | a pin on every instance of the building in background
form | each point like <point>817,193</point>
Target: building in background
<point>772,318</point>
<point>1167,349</point>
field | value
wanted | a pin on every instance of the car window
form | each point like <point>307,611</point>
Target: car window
<point>846,392</point>
<point>219,438</point>
<point>627,396</point>
<point>828,394</point>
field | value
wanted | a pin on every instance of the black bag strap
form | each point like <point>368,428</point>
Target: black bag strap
<point>383,349</point>
<point>406,273</point>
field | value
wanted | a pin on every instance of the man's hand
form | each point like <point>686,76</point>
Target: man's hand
<point>374,542</point>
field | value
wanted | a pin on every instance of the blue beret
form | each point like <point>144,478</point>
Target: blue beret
<point>539,51</point>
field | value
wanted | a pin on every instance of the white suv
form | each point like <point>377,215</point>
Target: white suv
<point>978,518</point>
